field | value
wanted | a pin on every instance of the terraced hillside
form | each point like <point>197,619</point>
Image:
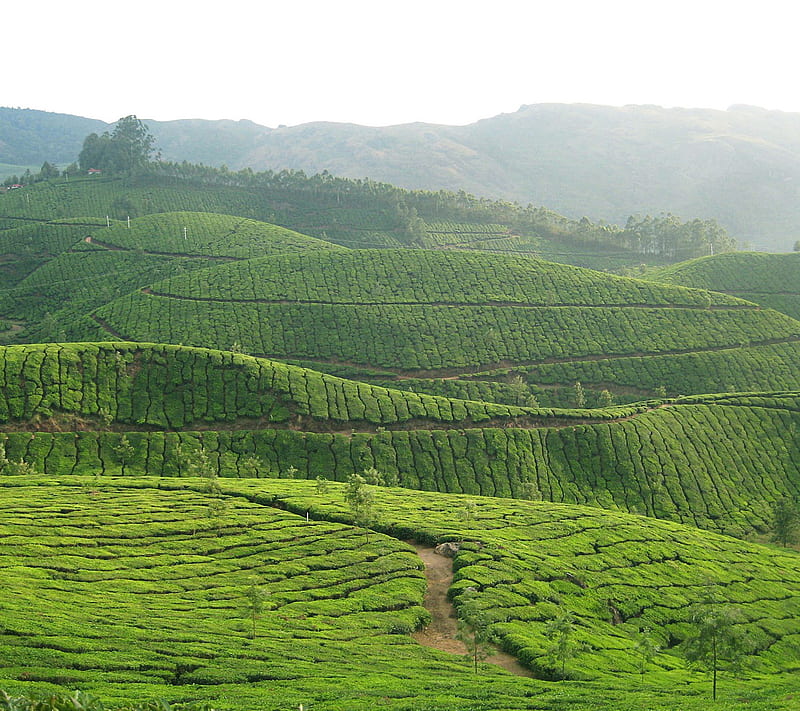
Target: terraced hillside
<point>429,314</point>
<point>772,280</point>
<point>363,214</point>
<point>716,462</point>
<point>90,265</point>
<point>148,589</point>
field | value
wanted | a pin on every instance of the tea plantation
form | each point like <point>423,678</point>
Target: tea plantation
<point>220,437</point>
<point>772,280</point>
<point>716,462</point>
<point>148,588</point>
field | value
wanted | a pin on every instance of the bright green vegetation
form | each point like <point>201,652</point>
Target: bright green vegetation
<point>716,462</point>
<point>142,590</point>
<point>772,280</point>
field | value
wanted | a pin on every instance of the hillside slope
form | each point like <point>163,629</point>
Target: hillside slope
<point>435,314</point>
<point>143,588</point>
<point>739,166</point>
<point>772,280</point>
<point>717,462</point>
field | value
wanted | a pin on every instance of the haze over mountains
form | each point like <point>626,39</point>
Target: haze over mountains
<point>740,166</point>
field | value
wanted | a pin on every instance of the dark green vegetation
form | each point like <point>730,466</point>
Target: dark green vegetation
<point>772,280</point>
<point>364,213</point>
<point>155,575</point>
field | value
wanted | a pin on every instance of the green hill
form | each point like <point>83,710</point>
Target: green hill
<point>144,590</point>
<point>424,314</point>
<point>717,462</point>
<point>606,162</point>
<point>772,280</point>
<point>89,265</point>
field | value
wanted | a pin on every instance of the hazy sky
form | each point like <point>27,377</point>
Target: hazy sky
<point>382,62</point>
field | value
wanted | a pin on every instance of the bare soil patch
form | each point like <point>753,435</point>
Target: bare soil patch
<point>441,632</point>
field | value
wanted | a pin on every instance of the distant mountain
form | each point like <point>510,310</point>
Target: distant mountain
<point>740,166</point>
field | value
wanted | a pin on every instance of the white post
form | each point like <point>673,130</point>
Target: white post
<point>185,231</point>
<point>129,221</point>
<point>108,222</point>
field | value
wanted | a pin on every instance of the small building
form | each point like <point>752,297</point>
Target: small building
<point>94,171</point>
<point>15,186</point>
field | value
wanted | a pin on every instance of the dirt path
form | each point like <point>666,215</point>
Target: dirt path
<point>441,632</point>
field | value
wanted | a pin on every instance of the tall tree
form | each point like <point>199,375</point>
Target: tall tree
<point>717,640</point>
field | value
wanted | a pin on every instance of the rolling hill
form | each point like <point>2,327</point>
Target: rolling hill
<point>772,280</point>
<point>143,587</point>
<point>433,314</point>
<point>251,525</point>
<point>716,462</point>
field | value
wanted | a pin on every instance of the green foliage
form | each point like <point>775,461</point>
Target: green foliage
<point>771,280</point>
<point>127,148</point>
<point>646,649</point>
<point>156,600</point>
<point>473,627</point>
<point>560,632</point>
<point>786,521</point>
<point>717,638</point>
<point>255,597</point>
<point>361,500</point>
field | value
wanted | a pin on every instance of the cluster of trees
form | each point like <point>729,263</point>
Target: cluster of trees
<point>664,236</point>
<point>48,171</point>
<point>128,148</point>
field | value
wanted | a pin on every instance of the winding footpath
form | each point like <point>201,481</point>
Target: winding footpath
<point>441,632</point>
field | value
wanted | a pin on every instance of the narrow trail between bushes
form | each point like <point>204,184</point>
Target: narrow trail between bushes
<point>441,632</point>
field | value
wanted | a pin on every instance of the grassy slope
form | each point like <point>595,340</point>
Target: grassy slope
<point>141,591</point>
<point>451,313</point>
<point>715,462</point>
<point>772,280</point>
<point>77,275</point>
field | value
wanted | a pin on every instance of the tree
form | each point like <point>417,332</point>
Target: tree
<point>127,148</point>
<point>563,645</point>
<point>473,627</point>
<point>255,597</point>
<point>605,398</point>
<point>133,141</point>
<point>124,450</point>
<point>717,638</point>
<point>785,522</point>
<point>361,500</point>
<point>646,649</point>
<point>580,395</point>
<point>797,246</point>
<point>48,172</point>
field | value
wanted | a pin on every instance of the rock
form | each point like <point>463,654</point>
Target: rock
<point>448,549</point>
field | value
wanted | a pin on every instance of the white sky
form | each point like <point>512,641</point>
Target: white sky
<point>382,62</point>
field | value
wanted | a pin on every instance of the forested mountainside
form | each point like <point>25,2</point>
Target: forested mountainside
<point>739,166</point>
